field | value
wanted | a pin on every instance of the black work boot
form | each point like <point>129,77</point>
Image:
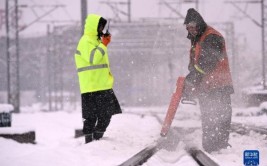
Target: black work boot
<point>98,135</point>
<point>88,138</point>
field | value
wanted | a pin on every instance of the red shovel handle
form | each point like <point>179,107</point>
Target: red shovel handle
<point>175,100</point>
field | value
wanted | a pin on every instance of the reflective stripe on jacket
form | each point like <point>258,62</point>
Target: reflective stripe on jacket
<point>91,59</point>
<point>220,76</point>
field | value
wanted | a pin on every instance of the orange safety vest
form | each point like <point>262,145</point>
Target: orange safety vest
<point>220,76</point>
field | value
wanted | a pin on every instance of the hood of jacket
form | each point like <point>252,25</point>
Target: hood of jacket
<point>193,16</point>
<point>91,25</point>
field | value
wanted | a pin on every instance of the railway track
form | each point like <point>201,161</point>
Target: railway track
<point>198,155</point>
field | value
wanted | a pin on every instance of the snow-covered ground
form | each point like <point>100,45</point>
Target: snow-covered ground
<point>127,134</point>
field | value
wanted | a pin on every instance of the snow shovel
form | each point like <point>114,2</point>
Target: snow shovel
<point>201,158</point>
<point>175,100</point>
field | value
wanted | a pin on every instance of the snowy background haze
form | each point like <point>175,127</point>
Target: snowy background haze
<point>147,56</point>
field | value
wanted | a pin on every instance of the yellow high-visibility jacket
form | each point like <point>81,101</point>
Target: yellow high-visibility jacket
<point>91,59</point>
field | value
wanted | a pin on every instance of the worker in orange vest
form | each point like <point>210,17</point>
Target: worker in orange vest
<point>209,80</point>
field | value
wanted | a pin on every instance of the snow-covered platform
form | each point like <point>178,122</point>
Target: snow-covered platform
<point>254,96</point>
<point>19,134</point>
<point>127,134</point>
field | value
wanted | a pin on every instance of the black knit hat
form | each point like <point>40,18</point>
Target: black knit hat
<point>102,23</point>
<point>193,16</point>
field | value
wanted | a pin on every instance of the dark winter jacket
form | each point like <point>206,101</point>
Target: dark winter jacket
<point>208,67</point>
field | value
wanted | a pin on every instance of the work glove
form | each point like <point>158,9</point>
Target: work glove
<point>191,82</point>
<point>189,90</point>
<point>106,40</point>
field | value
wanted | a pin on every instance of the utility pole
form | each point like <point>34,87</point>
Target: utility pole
<point>12,32</point>
<point>262,25</point>
<point>48,69</point>
<point>7,48</point>
<point>234,51</point>
<point>264,39</point>
<point>13,55</point>
<point>17,100</point>
<point>83,14</point>
<point>129,10</point>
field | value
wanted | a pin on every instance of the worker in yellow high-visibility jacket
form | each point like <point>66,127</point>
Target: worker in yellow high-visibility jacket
<point>99,102</point>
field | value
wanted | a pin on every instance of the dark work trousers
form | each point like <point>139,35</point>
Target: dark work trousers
<point>97,110</point>
<point>216,113</point>
<point>96,124</point>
